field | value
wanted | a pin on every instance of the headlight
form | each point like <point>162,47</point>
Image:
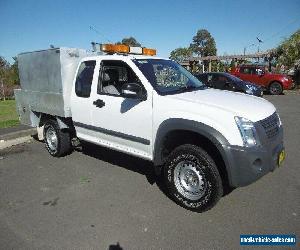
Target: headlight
<point>250,87</point>
<point>286,78</point>
<point>247,130</point>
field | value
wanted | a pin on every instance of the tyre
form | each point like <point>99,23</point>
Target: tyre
<point>58,142</point>
<point>192,178</point>
<point>275,88</point>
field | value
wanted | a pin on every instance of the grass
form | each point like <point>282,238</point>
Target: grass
<point>8,114</point>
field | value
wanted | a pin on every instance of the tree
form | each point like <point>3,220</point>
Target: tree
<point>180,54</point>
<point>3,63</point>
<point>288,52</point>
<point>15,72</point>
<point>4,67</point>
<point>203,44</point>
<point>9,77</point>
<point>131,41</point>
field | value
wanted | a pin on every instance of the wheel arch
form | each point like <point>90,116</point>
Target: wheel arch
<point>272,81</point>
<point>174,132</point>
<point>63,122</point>
<point>276,81</point>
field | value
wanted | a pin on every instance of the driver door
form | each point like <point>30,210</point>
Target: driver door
<point>258,76</point>
<point>124,124</point>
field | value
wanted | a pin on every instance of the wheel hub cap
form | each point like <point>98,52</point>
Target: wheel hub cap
<point>51,138</point>
<point>275,88</point>
<point>189,180</point>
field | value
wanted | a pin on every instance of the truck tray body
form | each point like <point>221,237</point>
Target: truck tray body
<point>46,79</point>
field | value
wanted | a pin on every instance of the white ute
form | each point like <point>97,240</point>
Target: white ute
<point>201,140</point>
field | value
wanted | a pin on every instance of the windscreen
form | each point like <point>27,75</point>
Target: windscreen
<point>168,77</point>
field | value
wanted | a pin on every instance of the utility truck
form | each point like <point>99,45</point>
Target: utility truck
<point>274,83</point>
<point>129,100</point>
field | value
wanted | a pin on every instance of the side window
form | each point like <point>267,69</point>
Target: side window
<point>245,70</point>
<point>214,78</point>
<point>113,75</point>
<point>219,81</point>
<point>84,79</point>
<point>252,71</point>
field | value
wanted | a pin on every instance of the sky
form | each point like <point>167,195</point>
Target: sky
<point>161,24</point>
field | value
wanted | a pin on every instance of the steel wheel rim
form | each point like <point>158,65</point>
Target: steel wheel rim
<point>189,180</point>
<point>51,138</point>
<point>275,88</point>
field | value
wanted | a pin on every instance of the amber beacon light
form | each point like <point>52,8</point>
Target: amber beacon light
<point>125,49</point>
<point>149,52</point>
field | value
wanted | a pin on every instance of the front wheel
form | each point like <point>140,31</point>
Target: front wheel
<point>58,142</point>
<point>275,88</point>
<point>192,178</point>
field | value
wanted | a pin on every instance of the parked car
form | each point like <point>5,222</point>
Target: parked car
<point>227,81</point>
<point>274,83</point>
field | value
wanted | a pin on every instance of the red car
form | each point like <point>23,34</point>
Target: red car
<point>274,83</point>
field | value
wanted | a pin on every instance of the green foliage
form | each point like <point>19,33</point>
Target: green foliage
<point>15,72</point>
<point>4,68</point>
<point>9,74</point>
<point>9,123</point>
<point>288,52</point>
<point>8,114</point>
<point>219,66</point>
<point>3,63</point>
<point>131,41</point>
<point>203,44</point>
<point>181,54</point>
<point>9,77</point>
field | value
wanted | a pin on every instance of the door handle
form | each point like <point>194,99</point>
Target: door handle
<point>99,103</point>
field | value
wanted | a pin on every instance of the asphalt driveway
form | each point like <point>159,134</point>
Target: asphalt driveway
<point>100,199</point>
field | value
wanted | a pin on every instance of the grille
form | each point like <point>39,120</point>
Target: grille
<point>271,125</point>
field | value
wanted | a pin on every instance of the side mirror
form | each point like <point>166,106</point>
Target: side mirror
<point>133,90</point>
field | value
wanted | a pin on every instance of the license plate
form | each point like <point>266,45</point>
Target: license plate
<point>281,157</point>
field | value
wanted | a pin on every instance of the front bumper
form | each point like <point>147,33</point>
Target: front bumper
<point>288,84</point>
<point>258,92</point>
<point>246,165</point>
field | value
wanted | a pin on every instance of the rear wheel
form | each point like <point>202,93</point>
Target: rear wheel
<point>58,142</point>
<point>192,178</point>
<point>275,88</point>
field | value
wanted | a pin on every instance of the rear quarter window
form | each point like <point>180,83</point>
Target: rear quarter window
<point>84,79</point>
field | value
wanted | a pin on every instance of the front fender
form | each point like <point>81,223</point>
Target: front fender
<point>182,124</point>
